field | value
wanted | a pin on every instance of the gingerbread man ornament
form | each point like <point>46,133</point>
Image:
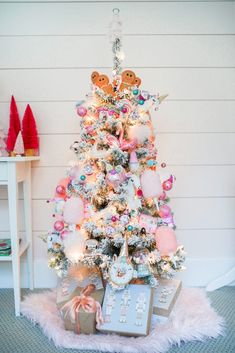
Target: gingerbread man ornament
<point>102,81</point>
<point>129,79</point>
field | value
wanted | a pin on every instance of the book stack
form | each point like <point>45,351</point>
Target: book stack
<point>5,247</point>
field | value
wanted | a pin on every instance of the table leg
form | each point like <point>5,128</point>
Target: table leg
<point>28,222</point>
<point>14,230</point>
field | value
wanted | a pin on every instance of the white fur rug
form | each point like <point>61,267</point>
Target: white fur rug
<point>193,318</point>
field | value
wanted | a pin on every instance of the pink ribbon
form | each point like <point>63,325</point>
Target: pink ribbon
<point>88,304</point>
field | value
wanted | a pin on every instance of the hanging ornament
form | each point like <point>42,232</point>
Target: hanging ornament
<point>121,271</point>
<point>62,186</point>
<point>59,226</point>
<point>151,184</point>
<point>165,240</point>
<point>133,162</point>
<point>140,257</point>
<point>167,185</point>
<point>82,111</point>
<point>139,132</point>
<point>73,210</point>
<point>74,245</point>
<point>116,176</point>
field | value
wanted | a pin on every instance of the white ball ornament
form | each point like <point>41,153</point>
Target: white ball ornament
<point>151,184</point>
<point>74,245</point>
<point>73,210</point>
<point>139,132</point>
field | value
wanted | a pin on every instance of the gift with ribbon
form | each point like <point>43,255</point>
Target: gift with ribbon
<point>79,300</point>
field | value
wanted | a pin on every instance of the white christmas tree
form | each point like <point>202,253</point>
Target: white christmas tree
<point>3,151</point>
<point>19,145</point>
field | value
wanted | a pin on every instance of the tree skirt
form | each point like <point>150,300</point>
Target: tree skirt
<point>192,319</point>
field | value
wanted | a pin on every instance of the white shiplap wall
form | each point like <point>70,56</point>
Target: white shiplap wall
<point>185,48</point>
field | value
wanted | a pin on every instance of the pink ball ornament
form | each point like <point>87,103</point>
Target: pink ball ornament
<point>114,218</point>
<point>162,196</point>
<point>73,210</point>
<point>151,184</point>
<point>60,189</point>
<point>166,240</point>
<point>59,226</point>
<point>167,185</point>
<point>164,211</point>
<point>63,184</point>
<point>81,111</point>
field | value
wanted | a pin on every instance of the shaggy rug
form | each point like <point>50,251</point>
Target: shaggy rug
<point>193,318</point>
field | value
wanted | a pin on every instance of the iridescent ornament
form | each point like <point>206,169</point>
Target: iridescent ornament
<point>88,169</point>
<point>109,230</point>
<point>124,219</point>
<point>81,111</point>
<point>60,189</point>
<point>167,185</point>
<point>59,226</point>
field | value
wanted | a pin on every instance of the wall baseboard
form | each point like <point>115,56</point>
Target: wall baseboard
<point>199,272</point>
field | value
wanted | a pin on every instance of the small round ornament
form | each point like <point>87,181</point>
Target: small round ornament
<point>88,169</point>
<point>141,102</point>
<point>163,196</point>
<point>135,92</point>
<point>82,177</point>
<point>163,165</point>
<point>167,185</point>
<point>130,228</point>
<point>124,219</point>
<point>165,240</point>
<point>139,193</point>
<point>124,110</point>
<point>113,218</point>
<point>60,189</point>
<point>59,226</point>
<point>81,111</point>
<point>164,211</point>
<point>62,186</point>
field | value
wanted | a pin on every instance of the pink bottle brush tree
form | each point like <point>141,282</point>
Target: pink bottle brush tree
<point>29,133</point>
<point>14,126</point>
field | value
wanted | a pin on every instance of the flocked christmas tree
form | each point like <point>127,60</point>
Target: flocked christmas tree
<point>112,210</point>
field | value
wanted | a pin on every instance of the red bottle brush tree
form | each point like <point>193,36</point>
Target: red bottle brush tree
<point>29,132</point>
<point>14,126</point>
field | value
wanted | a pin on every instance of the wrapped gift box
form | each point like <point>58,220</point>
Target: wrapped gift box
<point>165,296</point>
<point>128,312</point>
<point>79,300</point>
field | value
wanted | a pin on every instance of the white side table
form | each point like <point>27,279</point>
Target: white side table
<point>14,170</point>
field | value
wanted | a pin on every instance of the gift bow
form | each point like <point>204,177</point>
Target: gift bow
<point>88,304</point>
